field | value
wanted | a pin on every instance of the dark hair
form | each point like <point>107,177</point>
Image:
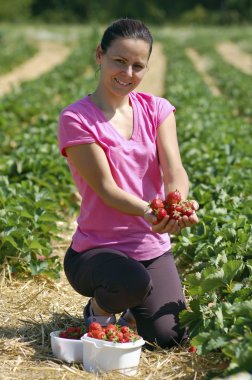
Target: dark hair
<point>126,28</point>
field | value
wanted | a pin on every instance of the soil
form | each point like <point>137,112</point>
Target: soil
<point>49,54</point>
<point>202,64</point>
<point>233,55</point>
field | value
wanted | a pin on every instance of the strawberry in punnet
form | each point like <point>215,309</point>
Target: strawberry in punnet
<point>112,333</point>
<point>72,332</point>
<point>98,334</point>
<point>95,326</point>
<point>125,329</point>
<point>70,329</point>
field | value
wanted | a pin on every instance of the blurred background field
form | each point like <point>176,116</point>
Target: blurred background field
<point>152,11</point>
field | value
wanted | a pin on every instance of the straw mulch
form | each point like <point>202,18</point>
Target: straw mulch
<point>31,309</point>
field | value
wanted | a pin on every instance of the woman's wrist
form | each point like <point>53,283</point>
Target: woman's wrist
<point>147,209</point>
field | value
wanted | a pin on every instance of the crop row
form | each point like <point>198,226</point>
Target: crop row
<point>14,50</point>
<point>235,85</point>
<point>215,256</point>
<point>36,187</point>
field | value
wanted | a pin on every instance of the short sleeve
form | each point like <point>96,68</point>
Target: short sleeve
<point>163,110</point>
<point>72,131</point>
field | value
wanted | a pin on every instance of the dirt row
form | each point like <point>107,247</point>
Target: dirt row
<point>49,55</point>
<point>53,53</point>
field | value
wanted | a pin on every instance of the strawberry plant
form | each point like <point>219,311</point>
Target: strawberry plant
<point>215,256</point>
<point>14,50</point>
<point>36,189</point>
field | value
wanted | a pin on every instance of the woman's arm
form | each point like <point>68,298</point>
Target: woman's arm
<point>174,174</point>
<point>92,165</point>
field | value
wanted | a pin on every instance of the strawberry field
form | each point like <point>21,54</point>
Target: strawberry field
<point>38,198</point>
<point>216,256</point>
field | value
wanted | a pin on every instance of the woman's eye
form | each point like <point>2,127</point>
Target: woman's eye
<point>138,67</point>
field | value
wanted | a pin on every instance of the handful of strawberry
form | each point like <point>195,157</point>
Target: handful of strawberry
<point>73,332</point>
<point>112,333</point>
<point>172,206</point>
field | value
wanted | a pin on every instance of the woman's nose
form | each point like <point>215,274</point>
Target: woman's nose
<point>129,70</point>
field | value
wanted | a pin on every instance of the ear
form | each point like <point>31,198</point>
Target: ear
<point>98,54</point>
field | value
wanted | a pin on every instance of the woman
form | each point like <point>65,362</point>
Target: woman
<point>122,149</point>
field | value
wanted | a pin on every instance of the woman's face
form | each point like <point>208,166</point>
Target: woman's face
<point>123,65</point>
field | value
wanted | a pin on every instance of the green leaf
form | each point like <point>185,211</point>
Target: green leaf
<point>231,269</point>
<point>10,240</point>
<point>34,244</point>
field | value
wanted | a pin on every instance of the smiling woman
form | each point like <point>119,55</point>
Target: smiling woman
<point>122,149</point>
<point>122,69</point>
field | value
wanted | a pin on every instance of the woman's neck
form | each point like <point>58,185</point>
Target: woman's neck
<point>109,103</point>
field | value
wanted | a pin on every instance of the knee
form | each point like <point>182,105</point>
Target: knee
<point>137,285</point>
<point>169,338</point>
<point>165,338</point>
<point>164,332</point>
<point>126,286</point>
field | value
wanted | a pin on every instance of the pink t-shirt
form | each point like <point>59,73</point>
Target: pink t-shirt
<point>134,166</point>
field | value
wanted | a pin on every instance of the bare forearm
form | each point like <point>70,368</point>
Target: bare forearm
<point>124,202</point>
<point>177,181</point>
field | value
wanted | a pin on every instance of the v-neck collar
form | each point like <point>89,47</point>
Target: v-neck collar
<point>104,118</point>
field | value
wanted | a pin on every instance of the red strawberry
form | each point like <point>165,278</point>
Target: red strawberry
<point>192,349</point>
<point>178,207</point>
<point>98,334</point>
<point>112,327</point>
<point>161,213</point>
<point>169,208</point>
<point>156,204</point>
<point>112,338</point>
<point>175,215</point>
<point>189,204</point>
<point>70,329</point>
<point>187,211</point>
<point>173,197</point>
<point>125,329</point>
<point>120,336</point>
<point>127,337</point>
<point>95,326</point>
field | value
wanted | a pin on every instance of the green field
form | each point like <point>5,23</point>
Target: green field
<point>37,192</point>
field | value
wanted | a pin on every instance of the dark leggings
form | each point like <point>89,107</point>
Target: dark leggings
<point>150,289</point>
